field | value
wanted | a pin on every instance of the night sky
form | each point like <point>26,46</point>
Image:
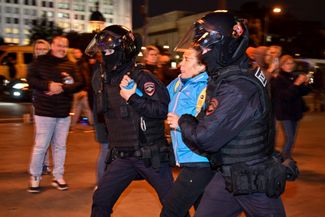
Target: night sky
<point>302,9</point>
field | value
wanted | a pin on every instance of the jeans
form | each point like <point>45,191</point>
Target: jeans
<point>101,163</point>
<point>80,103</point>
<point>47,158</point>
<point>186,191</point>
<point>217,201</point>
<point>290,129</point>
<point>55,130</point>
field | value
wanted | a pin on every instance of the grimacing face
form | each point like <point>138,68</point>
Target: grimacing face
<point>59,47</point>
<point>190,65</point>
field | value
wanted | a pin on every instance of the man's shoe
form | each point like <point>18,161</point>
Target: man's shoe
<point>34,185</point>
<point>62,186</point>
<point>46,170</point>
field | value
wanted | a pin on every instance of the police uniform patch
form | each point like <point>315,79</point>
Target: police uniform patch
<point>260,76</point>
<point>149,88</point>
<point>213,104</point>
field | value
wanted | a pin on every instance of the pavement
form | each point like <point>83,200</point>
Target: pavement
<point>302,198</point>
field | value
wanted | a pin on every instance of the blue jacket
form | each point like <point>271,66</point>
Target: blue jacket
<point>186,98</point>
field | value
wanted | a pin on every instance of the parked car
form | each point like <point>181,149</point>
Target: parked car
<point>15,90</point>
<point>19,56</point>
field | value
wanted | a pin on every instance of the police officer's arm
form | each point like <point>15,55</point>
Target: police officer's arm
<point>155,99</point>
<point>236,105</point>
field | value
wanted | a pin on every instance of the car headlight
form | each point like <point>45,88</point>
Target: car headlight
<point>20,86</point>
<point>16,93</point>
<point>6,82</point>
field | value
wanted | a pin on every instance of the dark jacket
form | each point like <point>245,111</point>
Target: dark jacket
<point>44,70</point>
<point>121,116</point>
<point>231,107</point>
<point>287,100</point>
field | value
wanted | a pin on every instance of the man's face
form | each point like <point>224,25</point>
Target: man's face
<point>41,49</point>
<point>152,57</point>
<point>59,47</point>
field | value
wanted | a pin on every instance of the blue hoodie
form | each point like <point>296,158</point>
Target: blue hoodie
<point>186,97</point>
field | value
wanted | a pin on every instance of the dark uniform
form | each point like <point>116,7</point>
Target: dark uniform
<point>235,130</point>
<point>135,128</point>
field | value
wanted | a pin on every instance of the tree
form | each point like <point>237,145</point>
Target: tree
<point>42,28</point>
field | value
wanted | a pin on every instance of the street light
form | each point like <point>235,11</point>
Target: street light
<point>275,10</point>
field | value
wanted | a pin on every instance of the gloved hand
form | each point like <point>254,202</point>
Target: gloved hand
<point>292,170</point>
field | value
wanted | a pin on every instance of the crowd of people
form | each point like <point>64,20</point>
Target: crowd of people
<point>220,107</point>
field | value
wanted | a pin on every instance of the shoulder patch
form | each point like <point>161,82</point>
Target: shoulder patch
<point>149,88</point>
<point>260,76</point>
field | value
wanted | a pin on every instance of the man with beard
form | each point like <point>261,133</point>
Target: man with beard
<point>134,105</point>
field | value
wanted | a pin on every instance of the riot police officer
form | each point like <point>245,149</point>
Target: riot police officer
<point>235,130</point>
<point>134,118</point>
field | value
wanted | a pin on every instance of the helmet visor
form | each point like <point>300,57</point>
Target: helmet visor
<point>198,36</point>
<point>103,42</point>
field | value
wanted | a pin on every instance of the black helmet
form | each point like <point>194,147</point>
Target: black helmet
<point>115,38</point>
<point>213,28</point>
<point>222,33</point>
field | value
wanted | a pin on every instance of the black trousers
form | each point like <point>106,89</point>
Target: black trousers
<point>119,174</point>
<point>217,201</point>
<point>186,191</point>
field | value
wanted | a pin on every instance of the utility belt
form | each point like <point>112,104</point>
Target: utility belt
<point>152,155</point>
<point>268,176</point>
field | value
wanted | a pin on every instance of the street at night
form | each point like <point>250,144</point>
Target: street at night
<point>148,84</point>
<point>303,198</point>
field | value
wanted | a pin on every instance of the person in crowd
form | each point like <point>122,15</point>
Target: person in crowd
<point>53,79</point>
<point>134,104</point>
<point>80,99</point>
<point>151,59</point>
<point>235,128</point>
<point>275,51</point>
<point>287,91</point>
<point>256,56</point>
<point>261,57</point>
<point>165,72</point>
<point>273,57</point>
<point>187,93</point>
<point>42,47</point>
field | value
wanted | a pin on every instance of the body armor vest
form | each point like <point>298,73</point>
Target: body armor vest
<point>126,129</point>
<point>254,141</point>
